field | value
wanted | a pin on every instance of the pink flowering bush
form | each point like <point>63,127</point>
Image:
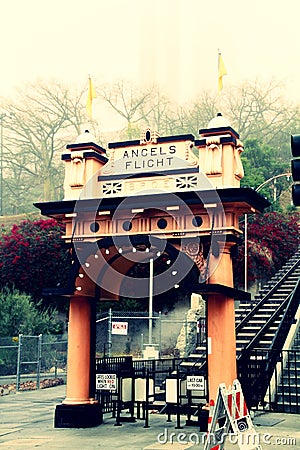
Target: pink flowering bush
<point>32,256</point>
<point>272,240</point>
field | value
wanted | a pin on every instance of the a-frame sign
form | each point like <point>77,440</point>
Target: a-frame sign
<point>230,415</point>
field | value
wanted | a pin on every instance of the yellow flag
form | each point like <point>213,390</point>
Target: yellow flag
<point>90,96</point>
<point>221,72</point>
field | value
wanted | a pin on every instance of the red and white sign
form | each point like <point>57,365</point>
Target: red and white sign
<point>232,409</point>
<point>119,328</point>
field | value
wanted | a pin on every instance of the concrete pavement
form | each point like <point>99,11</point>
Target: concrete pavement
<point>27,418</point>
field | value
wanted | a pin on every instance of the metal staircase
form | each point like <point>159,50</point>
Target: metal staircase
<point>258,321</point>
<point>262,326</point>
<point>262,329</point>
<point>287,397</point>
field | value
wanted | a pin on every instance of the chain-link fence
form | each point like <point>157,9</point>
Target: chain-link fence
<point>32,358</point>
<point>8,355</point>
<point>24,358</point>
<point>129,333</point>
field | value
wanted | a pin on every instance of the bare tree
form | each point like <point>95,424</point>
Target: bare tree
<point>131,104</point>
<point>196,115</point>
<point>259,110</point>
<point>38,124</point>
<point>44,117</point>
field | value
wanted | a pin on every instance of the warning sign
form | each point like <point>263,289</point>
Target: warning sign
<point>195,383</point>
<point>119,328</point>
<point>106,381</point>
<point>231,411</point>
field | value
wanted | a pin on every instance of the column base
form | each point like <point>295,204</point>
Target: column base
<point>78,416</point>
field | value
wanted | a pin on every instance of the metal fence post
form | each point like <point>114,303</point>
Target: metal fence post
<point>19,361</point>
<point>159,342</point>
<point>142,344</point>
<point>150,300</point>
<point>185,332</point>
<point>38,369</point>
<point>109,341</point>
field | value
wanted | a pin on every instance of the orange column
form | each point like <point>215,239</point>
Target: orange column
<point>221,327</point>
<point>79,352</point>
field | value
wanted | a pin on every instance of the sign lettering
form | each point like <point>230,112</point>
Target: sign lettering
<point>119,328</point>
<point>195,383</point>
<point>106,381</point>
<point>149,158</point>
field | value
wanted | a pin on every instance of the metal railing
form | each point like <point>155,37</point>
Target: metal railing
<point>266,297</point>
<point>277,386</point>
<point>256,366</point>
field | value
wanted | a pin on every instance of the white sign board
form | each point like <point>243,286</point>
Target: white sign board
<point>126,389</point>
<point>106,381</point>
<point>140,389</point>
<point>119,328</point>
<point>160,157</point>
<point>195,383</point>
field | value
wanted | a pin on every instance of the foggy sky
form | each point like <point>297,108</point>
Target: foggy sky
<point>171,42</point>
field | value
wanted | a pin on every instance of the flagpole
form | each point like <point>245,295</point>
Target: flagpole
<point>218,95</point>
<point>91,94</point>
<point>221,72</point>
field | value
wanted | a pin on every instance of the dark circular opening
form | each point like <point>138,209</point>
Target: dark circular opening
<point>162,223</point>
<point>94,227</point>
<point>127,225</point>
<point>197,221</point>
<point>148,135</point>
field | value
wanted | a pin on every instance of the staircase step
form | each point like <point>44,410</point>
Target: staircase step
<point>293,378</point>
<point>246,334</point>
<point>287,390</point>
<point>187,363</point>
<point>278,296</point>
<point>197,356</point>
<point>290,398</point>
<point>293,408</point>
<point>259,315</point>
<point>292,365</point>
<point>257,320</point>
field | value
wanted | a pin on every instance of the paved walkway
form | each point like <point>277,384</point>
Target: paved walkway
<point>26,422</point>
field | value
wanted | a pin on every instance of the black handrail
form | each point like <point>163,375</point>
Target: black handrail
<point>266,297</point>
<point>287,319</point>
<point>290,304</point>
<point>266,326</point>
<point>256,373</point>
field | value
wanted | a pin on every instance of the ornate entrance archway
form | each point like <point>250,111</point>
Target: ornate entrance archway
<point>151,197</point>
